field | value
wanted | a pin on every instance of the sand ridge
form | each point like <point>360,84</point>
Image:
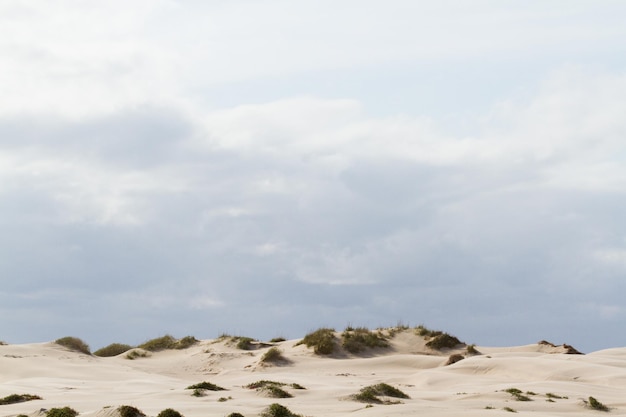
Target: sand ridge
<point>96,386</point>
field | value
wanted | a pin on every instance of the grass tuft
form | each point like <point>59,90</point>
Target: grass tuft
<point>597,405</point>
<point>113,349</point>
<point>322,341</point>
<point>206,386</point>
<point>61,412</point>
<point>129,411</point>
<point>277,410</point>
<point>74,343</point>
<point>273,355</point>
<point>443,341</point>
<point>18,398</point>
<point>355,340</point>
<point>371,394</point>
<point>169,412</point>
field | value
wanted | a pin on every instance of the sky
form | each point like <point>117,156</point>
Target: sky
<point>268,168</point>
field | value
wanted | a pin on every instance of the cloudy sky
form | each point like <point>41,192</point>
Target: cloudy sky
<point>265,168</point>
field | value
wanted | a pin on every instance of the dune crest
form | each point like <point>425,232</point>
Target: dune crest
<point>542,378</point>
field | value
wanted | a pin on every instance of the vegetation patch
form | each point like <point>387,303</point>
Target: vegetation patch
<point>471,350</point>
<point>74,343</point>
<point>18,398</point>
<point>273,389</point>
<point>62,412</point>
<point>273,355</point>
<point>355,340</point>
<point>596,405</point>
<point>277,410</point>
<point>169,412</point>
<point>321,340</point>
<point>443,341</point>
<point>277,340</point>
<point>454,359</point>
<point>371,394</point>
<point>208,386</point>
<point>136,353</point>
<point>510,410</point>
<point>113,349</point>
<point>129,411</point>
<point>168,342</point>
<point>186,342</point>
<point>159,343</point>
<point>517,394</point>
<point>235,415</point>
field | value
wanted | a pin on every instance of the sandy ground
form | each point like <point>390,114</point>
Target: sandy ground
<point>474,386</point>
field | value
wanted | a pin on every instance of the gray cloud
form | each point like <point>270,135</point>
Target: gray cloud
<point>134,202</point>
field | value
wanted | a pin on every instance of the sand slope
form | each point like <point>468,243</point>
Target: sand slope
<point>96,386</point>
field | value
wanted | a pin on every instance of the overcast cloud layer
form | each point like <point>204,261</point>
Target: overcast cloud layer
<point>267,168</point>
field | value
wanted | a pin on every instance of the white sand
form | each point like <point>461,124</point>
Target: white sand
<point>95,386</point>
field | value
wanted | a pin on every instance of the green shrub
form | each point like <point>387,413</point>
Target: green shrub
<point>277,410</point>
<point>244,343</point>
<point>273,355</point>
<point>471,350</point>
<point>454,358</point>
<point>129,411</point>
<point>426,332</point>
<point>73,343</point>
<point>355,340</point>
<point>61,412</point>
<point>18,398</point>
<point>134,354</point>
<point>169,412</point>
<point>206,386</point>
<point>263,383</point>
<point>597,405</point>
<point>517,394</point>
<point>371,393</point>
<point>442,341</point>
<point>185,342</point>
<point>274,391</point>
<point>113,349</point>
<point>159,343</point>
<point>322,341</point>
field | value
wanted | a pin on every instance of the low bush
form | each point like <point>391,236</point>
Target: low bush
<point>517,394</point>
<point>159,343</point>
<point>18,398</point>
<point>597,405</point>
<point>454,359</point>
<point>243,343</point>
<point>235,415</point>
<point>277,340</point>
<point>61,412</point>
<point>277,410</point>
<point>206,386</point>
<point>74,343</point>
<point>371,394</point>
<point>273,355</point>
<point>443,341</point>
<point>169,412</point>
<point>113,349</point>
<point>322,341</point>
<point>136,353</point>
<point>185,342</point>
<point>129,411</point>
<point>355,340</point>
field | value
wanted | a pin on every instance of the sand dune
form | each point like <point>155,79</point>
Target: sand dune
<point>555,383</point>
